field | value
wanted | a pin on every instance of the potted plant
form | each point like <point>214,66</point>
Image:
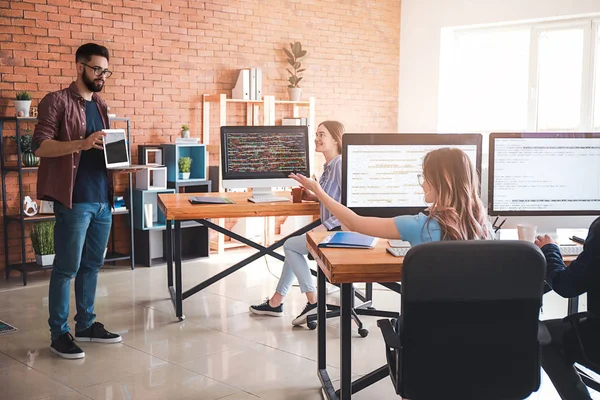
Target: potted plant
<point>185,164</point>
<point>42,239</point>
<point>29,159</point>
<point>294,55</point>
<point>185,131</point>
<point>23,104</point>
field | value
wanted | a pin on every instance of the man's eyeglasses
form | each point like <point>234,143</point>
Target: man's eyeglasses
<point>421,179</point>
<point>98,71</point>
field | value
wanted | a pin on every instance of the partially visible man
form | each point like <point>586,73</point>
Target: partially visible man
<point>73,174</point>
<point>582,276</point>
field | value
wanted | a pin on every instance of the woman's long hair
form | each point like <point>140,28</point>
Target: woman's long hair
<point>457,206</point>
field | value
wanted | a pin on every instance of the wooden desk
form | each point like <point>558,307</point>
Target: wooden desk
<point>177,208</point>
<point>344,267</point>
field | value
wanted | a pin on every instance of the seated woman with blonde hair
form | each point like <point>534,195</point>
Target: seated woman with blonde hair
<point>456,212</point>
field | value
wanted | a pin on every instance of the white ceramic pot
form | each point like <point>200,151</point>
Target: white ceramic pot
<point>45,260</point>
<point>22,108</point>
<point>295,93</point>
<point>185,134</point>
<point>184,175</point>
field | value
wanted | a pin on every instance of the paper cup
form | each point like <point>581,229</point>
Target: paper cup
<point>526,232</point>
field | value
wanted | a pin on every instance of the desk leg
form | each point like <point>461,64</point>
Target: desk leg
<point>346,341</point>
<point>573,307</point>
<point>326,384</point>
<point>178,283</point>
<point>169,251</point>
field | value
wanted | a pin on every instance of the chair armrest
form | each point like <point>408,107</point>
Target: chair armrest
<point>576,318</point>
<point>390,336</point>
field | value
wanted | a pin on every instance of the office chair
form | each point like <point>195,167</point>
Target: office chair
<point>582,359</point>
<point>468,326</point>
<point>364,308</point>
<point>334,310</point>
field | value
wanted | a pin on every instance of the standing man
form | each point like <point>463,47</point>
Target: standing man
<point>72,174</point>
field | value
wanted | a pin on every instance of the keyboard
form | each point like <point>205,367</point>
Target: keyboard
<point>398,251</point>
<point>268,199</point>
<point>570,250</point>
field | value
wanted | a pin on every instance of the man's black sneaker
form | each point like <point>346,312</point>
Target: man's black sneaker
<point>309,309</point>
<point>65,347</point>
<point>266,309</point>
<point>97,333</point>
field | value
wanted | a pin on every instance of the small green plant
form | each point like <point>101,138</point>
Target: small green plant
<point>26,139</point>
<point>24,95</point>
<point>42,238</point>
<point>185,127</point>
<point>185,164</point>
<point>294,55</point>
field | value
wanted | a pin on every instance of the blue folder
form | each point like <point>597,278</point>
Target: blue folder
<point>350,240</point>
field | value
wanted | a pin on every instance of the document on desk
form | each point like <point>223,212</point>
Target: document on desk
<point>209,200</point>
<point>351,240</point>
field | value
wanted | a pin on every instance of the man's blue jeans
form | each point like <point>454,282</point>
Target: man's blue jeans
<point>80,238</point>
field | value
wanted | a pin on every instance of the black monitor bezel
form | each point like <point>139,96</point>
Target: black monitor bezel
<point>530,135</point>
<point>270,129</point>
<point>357,139</point>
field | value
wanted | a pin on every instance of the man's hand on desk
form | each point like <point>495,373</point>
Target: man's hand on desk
<point>541,241</point>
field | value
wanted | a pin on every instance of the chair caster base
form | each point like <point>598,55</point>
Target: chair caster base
<point>363,332</point>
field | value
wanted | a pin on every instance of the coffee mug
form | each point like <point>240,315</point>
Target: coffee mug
<point>297,194</point>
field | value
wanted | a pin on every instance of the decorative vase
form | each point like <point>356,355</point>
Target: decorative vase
<point>184,175</point>
<point>295,93</point>
<point>29,159</point>
<point>22,108</point>
<point>185,134</point>
<point>44,260</point>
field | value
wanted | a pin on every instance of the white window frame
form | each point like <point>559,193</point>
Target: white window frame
<point>591,58</point>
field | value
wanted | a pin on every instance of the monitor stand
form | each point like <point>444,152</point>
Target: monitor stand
<point>265,195</point>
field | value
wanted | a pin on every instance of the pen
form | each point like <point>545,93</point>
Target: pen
<point>500,226</point>
<point>314,177</point>
<point>496,220</point>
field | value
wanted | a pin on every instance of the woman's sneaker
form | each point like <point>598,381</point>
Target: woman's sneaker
<point>266,309</point>
<point>309,309</point>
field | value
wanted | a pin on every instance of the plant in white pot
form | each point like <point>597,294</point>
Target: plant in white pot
<point>23,104</point>
<point>185,165</point>
<point>185,131</point>
<point>42,239</point>
<point>294,55</point>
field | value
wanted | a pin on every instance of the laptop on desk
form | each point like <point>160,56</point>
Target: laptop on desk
<point>116,154</point>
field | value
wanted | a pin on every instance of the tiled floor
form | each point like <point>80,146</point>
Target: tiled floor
<point>219,352</point>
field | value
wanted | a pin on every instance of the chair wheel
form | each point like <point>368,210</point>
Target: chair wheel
<point>312,325</point>
<point>363,332</point>
<point>182,318</point>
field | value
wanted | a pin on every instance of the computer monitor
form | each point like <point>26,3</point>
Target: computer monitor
<point>262,157</point>
<point>544,174</point>
<point>379,171</point>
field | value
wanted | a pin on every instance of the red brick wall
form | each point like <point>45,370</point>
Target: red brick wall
<point>166,53</point>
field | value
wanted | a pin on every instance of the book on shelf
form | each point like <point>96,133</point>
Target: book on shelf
<point>352,240</point>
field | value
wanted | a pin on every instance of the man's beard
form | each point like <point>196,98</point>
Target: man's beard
<point>93,86</point>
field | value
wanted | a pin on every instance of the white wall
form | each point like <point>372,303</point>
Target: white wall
<point>420,32</point>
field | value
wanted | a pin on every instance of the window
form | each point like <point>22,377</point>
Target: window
<point>528,77</point>
<point>597,78</point>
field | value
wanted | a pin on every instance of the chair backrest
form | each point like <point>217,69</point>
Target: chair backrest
<point>469,320</point>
